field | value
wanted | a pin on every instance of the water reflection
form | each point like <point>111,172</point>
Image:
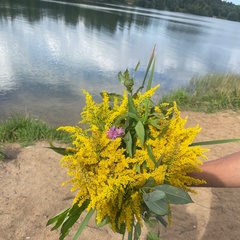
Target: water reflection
<point>91,14</point>
<point>50,50</point>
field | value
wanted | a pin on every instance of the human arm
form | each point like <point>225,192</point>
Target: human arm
<point>222,172</point>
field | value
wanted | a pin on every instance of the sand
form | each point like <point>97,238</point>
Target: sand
<point>31,192</point>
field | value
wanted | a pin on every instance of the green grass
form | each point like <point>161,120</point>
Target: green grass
<point>2,155</point>
<point>26,130</point>
<point>209,93</point>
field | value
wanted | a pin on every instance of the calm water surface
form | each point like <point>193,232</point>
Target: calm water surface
<point>51,50</point>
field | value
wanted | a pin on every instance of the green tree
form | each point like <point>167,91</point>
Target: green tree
<point>233,16</point>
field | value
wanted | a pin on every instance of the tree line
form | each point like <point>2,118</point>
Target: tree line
<point>209,8</point>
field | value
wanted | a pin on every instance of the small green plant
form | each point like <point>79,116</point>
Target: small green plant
<point>1,153</point>
<point>208,93</point>
<point>27,129</point>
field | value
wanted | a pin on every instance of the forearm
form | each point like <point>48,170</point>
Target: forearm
<point>223,172</point>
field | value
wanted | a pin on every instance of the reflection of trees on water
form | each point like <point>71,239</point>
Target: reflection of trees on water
<point>97,17</point>
<point>184,28</point>
<point>13,9</point>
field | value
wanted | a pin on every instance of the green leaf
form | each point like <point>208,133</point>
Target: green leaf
<point>155,123</point>
<point>128,140</point>
<point>174,195</point>
<point>150,154</point>
<point>83,224</point>
<point>162,220</point>
<point>130,233</point>
<point>74,213</point>
<point>159,161</point>
<point>154,196</point>
<point>151,76</point>
<point>137,231</point>
<point>149,183</point>
<point>151,222</point>
<point>131,106</point>
<point>152,236</point>
<point>147,70</point>
<point>122,229</point>
<point>63,235</point>
<point>140,132</point>
<point>119,229</point>
<point>104,221</point>
<point>146,103</point>
<point>129,84</point>
<point>59,218</point>
<point>215,142</point>
<point>120,119</point>
<point>126,80</point>
<point>138,168</point>
<point>136,68</point>
<point>149,63</point>
<point>159,207</point>
<point>58,150</point>
<point>134,116</point>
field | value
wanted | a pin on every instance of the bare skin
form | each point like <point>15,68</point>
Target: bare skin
<point>222,172</point>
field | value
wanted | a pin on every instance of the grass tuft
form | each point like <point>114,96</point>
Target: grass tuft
<point>27,130</point>
<point>209,93</point>
<point>2,155</point>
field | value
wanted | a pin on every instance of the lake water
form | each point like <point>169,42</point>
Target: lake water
<point>50,50</point>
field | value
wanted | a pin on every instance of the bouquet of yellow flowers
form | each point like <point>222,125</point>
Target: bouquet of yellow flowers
<point>129,161</point>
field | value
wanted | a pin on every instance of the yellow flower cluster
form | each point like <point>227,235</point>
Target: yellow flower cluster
<point>173,147</point>
<point>139,101</point>
<point>101,115</point>
<point>102,171</point>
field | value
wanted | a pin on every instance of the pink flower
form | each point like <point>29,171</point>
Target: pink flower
<point>114,132</point>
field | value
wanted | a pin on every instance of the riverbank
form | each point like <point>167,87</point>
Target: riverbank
<point>31,192</point>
